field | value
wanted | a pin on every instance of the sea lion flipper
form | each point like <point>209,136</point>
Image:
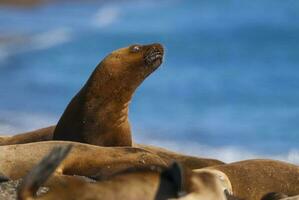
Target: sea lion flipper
<point>171,182</point>
<point>41,172</point>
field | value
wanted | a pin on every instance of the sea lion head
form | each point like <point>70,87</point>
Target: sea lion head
<point>209,184</point>
<point>131,65</point>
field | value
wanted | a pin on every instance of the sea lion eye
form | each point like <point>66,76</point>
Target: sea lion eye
<point>135,48</point>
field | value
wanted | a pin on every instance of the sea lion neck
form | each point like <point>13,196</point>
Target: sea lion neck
<point>100,107</point>
<point>106,86</point>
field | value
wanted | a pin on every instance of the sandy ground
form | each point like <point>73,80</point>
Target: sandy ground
<point>8,190</point>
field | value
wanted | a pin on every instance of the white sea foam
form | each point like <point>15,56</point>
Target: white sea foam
<point>51,38</point>
<point>105,16</point>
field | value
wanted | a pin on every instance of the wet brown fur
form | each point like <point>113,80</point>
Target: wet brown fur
<point>98,114</point>
<point>84,159</point>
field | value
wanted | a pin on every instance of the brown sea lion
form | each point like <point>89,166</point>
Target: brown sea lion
<point>84,159</point>
<point>250,179</point>
<point>98,114</point>
<point>206,185</point>
<point>168,156</point>
<point>16,160</point>
<point>134,184</point>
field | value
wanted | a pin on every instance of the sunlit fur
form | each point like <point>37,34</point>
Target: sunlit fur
<point>98,114</point>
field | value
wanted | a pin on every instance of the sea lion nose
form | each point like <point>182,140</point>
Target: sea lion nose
<point>153,54</point>
<point>157,47</point>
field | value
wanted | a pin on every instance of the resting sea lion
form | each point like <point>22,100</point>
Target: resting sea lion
<point>250,179</point>
<point>98,114</point>
<point>83,160</point>
<point>187,161</point>
<point>134,184</point>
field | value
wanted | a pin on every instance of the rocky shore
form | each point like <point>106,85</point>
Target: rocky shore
<point>8,190</point>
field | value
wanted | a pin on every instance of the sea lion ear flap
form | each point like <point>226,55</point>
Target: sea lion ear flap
<point>41,172</point>
<point>171,182</point>
<point>274,196</point>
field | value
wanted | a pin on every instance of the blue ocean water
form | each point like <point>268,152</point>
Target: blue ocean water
<point>228,87</point>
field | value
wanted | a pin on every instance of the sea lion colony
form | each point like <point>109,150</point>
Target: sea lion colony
<point>96,158</point>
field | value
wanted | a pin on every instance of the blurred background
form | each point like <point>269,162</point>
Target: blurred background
<point>228,88</point>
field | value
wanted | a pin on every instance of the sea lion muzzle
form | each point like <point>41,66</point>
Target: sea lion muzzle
<point>154,55</point>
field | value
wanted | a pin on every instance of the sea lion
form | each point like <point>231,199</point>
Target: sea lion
<point>16,160</point>
<point>168,156</point>
<point>134,184</point>
<point>98,114</point>
<point>206,185</point>
<point>83,160</point>
<point>249,179</point>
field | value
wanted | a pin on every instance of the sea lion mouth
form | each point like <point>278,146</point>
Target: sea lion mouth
<point>154,57</point>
